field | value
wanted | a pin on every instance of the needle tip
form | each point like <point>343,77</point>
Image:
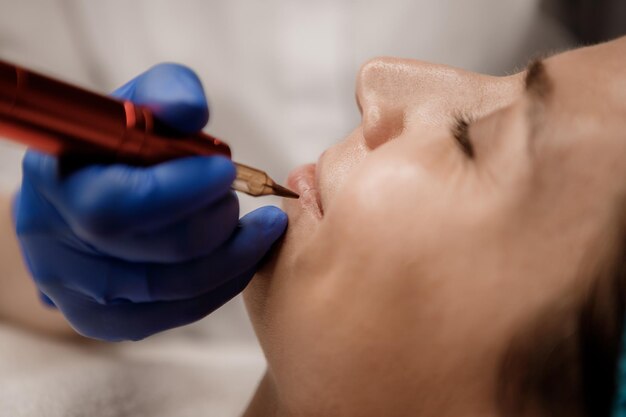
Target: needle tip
<point>281,191</point>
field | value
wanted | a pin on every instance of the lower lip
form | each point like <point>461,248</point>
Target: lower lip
<point>302,180</point>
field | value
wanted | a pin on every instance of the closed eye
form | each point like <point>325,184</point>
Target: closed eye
<point>460,132</point>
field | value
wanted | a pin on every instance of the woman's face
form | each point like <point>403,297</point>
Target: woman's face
<point>414,256</point>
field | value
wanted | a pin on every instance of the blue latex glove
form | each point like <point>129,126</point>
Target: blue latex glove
<point>127,252</point>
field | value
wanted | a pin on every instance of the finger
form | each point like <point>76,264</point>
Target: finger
<point>195,236</point>
<point>108,280</point>
<point>121,199</point>
<point>255,236</point>
<point>46,300</point>
<point>126,91</point>
<point>135,321</point>
<point>173,92</point>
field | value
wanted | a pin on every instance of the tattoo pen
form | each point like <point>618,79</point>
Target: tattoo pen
<point>81,127</point>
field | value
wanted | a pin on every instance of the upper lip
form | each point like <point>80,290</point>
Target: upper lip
<point>305,181</point>
<point>316,181</point>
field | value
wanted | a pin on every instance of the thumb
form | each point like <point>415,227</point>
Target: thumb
<point>173,93</point>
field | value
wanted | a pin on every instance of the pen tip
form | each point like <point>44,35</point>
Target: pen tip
<point>281,191</point>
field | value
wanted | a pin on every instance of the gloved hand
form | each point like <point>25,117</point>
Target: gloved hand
<point>127,252</point>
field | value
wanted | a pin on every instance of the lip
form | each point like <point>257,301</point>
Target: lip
<point>303,181</point>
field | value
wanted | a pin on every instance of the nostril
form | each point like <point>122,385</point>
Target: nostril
<point>358,102</point>
<point>380,126</point>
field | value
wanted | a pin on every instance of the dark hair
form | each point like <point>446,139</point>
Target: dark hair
<point>590,21</point>
<point>564,362</point>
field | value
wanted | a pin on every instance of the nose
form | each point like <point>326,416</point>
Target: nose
<point>394,93</point>
<point>391,92</point>
<point>379,98</point>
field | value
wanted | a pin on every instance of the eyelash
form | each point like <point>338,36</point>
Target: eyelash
<point>460,132</point>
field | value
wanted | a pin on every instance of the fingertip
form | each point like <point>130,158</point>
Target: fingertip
<point>126,91</point>
<point>255,236</point>
<point>271,219</point>
<point>35,162</point>
<point>39,168</point>
<point>279,217</point>
<point>175,95</point>
<point>223,165</point>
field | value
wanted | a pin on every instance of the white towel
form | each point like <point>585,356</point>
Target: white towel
<point>170,376</point>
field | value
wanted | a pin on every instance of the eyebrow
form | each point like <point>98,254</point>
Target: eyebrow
<point>538,82</point>
<point>539,88</point>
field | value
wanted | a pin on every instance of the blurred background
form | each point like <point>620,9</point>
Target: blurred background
<point>279,76</point>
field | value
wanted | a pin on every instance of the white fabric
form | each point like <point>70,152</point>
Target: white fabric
<point>280,80</point>
<point>161,377</point>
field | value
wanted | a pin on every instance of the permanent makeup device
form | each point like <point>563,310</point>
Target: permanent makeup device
<point>82,127</point>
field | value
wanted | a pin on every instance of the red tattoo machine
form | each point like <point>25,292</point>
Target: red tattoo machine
<point>80,126</point>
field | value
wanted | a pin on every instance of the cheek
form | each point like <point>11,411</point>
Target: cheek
<point>409,187</point>
<point>357,307</point>
<point>377,290</point>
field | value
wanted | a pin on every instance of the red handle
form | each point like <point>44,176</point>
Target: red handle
<point>62,119</point>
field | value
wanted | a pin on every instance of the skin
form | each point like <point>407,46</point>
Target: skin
<point>404,295</point>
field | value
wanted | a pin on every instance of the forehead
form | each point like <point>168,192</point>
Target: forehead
<point>595,74</point>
